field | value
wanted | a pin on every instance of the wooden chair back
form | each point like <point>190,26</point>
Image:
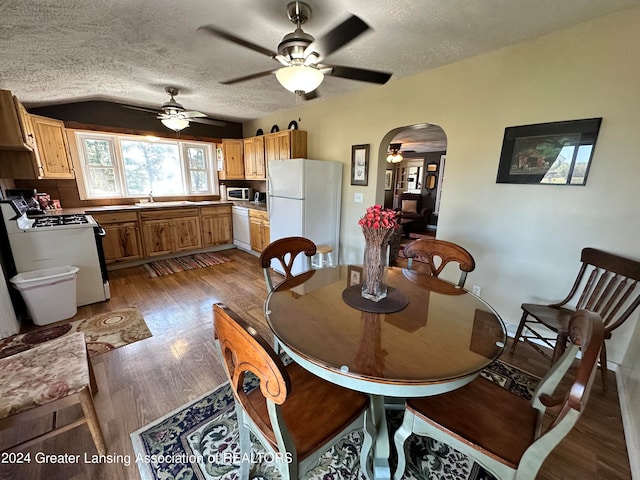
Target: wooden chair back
<point>244,350</point>
<point>436,254</point>
<point>285,250</point>
<point>607,284</point>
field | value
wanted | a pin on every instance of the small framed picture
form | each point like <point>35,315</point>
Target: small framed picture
<point>388,179</point>
<point>360,165</point>
<point>354,275</point>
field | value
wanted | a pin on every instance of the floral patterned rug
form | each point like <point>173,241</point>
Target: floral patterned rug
<point>200,441</point>
<point>103,332</point>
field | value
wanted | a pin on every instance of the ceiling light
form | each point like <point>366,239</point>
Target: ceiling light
<point>394,155</point>
<point>300,78</point>
<point>175,123</point>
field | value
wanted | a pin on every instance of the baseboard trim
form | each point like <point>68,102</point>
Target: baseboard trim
<point>630,435</point>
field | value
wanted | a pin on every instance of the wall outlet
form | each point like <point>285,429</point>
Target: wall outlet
<point>476,290</point>
<point>358,198</point>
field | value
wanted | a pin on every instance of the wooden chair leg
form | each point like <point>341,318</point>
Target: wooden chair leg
<point>603,366</point>
<point>245,444</point>
<point>516,338</point>
<point>86,401</point>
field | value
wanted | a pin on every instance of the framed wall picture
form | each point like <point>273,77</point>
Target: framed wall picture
<point>360,165</point>
<point>557,153</point>
<point>388,179</point>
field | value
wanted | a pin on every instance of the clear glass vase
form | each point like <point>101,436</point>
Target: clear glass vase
<point>374,272</point>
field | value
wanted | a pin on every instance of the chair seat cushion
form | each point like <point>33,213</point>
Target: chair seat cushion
<point>315,410</point>
<point>557,319</point>
<point>499,422</point>
<point>42,374</point>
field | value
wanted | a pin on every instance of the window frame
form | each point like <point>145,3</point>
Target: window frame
<point>82,168</point>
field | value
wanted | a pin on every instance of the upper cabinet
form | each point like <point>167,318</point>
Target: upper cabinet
<point>31,146</point>
<point>254,163</point>
<point>231,165</point>
<point>285,145</point>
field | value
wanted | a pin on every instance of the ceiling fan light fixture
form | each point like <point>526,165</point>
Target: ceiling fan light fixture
<point>300,78</point>
<point>175,123</point>
<point>394,155</point>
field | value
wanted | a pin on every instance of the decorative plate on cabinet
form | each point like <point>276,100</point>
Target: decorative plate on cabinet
<point>293,125</point>
<point>275,129</point>
<point>259,132</point>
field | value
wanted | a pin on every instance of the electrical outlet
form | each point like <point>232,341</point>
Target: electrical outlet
<point>476,290</point>
<point>358,198</point>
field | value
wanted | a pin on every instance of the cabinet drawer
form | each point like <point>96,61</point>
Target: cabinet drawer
<point>163,213</point>
<point>115,217</point>
<point>259,214</point>
<point>221,210</point>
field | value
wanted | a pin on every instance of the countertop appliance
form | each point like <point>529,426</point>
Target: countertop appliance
<point>238,193</point>
<point>241,234</point>
<point>55,241</point>
<point>304,199</point>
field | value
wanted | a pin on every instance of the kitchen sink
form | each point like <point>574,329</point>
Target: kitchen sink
<point>164,204</point>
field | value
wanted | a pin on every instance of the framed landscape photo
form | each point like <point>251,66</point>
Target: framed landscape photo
<point>557,153</point>
<point>360,165</point>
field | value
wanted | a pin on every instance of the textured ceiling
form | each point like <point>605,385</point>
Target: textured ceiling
<point>127,51</point>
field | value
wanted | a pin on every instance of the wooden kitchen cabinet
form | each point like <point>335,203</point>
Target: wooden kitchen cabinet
<point>216,225</point>
<point>259,229</point>
<point>122,240</point>
<point>53,147</point>
<point>254,159</point>
<point>167,231</point>
<point>231,166</point>
<point>31,146</point>
<point>285,145</point>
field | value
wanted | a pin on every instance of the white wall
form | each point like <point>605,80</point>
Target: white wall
<point>526,239</point>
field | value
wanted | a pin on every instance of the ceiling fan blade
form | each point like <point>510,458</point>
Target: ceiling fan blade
<point>208,121</point>
<point>142,109</point>
<point>192,114</point>
<point>337,38</point>
<point>247,77</point>
<point>216,32</point>
<point>352,73</point>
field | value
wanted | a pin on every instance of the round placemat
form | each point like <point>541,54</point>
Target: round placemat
<point>393,302</point>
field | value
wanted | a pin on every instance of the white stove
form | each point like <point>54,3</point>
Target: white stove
<point>58,240</point>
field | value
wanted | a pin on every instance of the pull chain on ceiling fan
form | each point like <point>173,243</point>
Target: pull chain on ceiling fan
<point>300,54</point>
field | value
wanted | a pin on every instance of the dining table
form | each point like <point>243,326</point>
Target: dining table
<point>427,337</point>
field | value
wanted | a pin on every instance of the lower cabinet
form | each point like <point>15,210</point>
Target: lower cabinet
<point>216,225</point>
<point>122,240</point>
<point>259,229</point>
<point>170,230</point>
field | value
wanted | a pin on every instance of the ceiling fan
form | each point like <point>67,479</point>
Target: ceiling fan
<point>300,54</point>
<point>174,116</point>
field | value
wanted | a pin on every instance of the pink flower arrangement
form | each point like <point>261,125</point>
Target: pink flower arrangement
<point>378,226</point>
<point>379,218</point>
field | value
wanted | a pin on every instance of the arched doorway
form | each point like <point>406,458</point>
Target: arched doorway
<point>417,173</point>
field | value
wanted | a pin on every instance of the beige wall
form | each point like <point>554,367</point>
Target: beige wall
<point>526,239</point>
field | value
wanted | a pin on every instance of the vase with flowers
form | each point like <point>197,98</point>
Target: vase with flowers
<point>378,226</point>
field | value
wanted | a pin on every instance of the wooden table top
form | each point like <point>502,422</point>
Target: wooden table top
<point>444,334</point>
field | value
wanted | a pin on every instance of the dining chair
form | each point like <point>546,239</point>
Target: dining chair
<point>285,250</point>
<point>606,283</point>
<point>507,435</point>
<point>294,414</point>
<point>436,254</point>
<point>44,380</point>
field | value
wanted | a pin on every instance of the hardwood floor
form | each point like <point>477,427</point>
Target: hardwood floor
<point>145,380</point>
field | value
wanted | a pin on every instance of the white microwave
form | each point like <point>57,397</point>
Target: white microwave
<point>238,193</point>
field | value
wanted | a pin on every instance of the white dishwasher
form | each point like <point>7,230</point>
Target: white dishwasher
<point>241,235</point>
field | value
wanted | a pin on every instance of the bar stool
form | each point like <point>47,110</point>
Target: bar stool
<point>323,257</point>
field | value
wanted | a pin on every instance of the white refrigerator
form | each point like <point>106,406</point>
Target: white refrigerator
<point>304,199</point>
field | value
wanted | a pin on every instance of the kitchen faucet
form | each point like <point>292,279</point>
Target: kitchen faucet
<point>151,195</point>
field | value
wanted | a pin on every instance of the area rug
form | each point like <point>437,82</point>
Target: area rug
<point>161,268</point>
<point>200,441</point>
<point>103,333</point>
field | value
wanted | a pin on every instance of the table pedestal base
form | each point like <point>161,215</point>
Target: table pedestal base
<point>374,459</point>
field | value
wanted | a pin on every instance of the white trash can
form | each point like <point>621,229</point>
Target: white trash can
<point>50,293</point>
